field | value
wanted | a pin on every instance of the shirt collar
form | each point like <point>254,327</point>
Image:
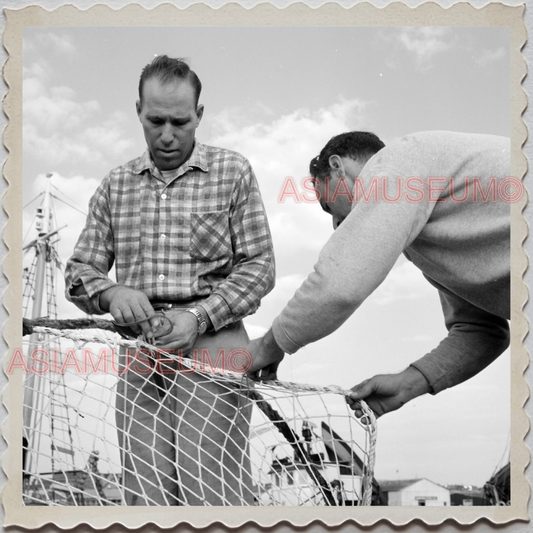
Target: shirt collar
<point>198,159</point>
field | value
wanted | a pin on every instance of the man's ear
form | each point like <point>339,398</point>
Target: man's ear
<point>138,108</point>
<point>335,164</point>
<point>199,114</point>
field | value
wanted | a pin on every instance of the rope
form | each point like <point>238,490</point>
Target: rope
<point>139,344</point>
<point>29,325</point>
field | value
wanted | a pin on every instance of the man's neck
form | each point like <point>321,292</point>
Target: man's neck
<point>168,174</point>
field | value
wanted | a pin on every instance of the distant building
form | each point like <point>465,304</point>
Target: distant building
<point>473,496</point>
<point>414,492</point>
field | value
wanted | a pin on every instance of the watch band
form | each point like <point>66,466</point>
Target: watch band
<point>202,324</point>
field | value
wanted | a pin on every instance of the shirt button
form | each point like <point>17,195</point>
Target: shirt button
<point>163,237</point>
<point>161,277</point>
<point>163,196</point>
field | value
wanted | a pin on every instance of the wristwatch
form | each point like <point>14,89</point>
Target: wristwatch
<point>202,324</point>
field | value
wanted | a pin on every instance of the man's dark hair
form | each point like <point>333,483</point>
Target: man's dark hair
<point>167,69</point>
<point>358,145</point>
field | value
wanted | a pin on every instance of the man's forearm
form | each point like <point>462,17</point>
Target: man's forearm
<point>461,355</point>
<point>415,383</point>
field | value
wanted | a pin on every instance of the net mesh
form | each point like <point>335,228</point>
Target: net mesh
<point>107,421</point>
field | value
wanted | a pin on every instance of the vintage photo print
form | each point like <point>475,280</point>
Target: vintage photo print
<point>158,223</point>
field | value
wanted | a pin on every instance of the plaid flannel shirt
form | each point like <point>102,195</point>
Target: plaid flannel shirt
<point>201,236</point>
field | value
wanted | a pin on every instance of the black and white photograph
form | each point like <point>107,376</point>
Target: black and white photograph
<point>267,266</point>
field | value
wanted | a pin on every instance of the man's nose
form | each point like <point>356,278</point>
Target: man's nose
<point>167,135</point>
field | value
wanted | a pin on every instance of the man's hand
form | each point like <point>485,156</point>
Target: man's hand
<point>130,307</point>
<point>388,392</point>
<point>266,357</point>
<point>183,335</point>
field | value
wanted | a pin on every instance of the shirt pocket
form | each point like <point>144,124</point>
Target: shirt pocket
<point>210,238</point>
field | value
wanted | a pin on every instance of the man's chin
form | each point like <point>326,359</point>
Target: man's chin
<point>170,163</point>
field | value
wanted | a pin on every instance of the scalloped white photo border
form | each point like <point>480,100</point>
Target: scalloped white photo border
<point>365,14</point>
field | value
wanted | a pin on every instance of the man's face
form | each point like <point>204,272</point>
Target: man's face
<point>336,192</point>
<point>169,118</point>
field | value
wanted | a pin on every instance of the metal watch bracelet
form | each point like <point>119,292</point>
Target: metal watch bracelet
<point>202,324</point>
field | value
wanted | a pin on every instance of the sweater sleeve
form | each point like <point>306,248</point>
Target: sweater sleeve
<point>352,264</point>
<point>475,339</point>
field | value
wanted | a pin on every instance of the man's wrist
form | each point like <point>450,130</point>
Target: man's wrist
<point>415,383</point>
<point>105,297</point>
<point>270,344</point>
<point>206,317</point>
<point>200,319</point>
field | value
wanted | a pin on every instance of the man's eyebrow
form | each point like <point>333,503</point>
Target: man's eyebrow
<point>163,116</point>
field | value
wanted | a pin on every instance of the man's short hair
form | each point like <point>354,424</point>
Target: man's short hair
<point>358,145</point>
<point>167,69</point>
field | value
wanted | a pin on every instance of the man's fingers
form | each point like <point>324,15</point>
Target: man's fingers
<point>141,318</point>
<point>268,373</point>
<point>358,412</point>
<point>146,307</point>
<point>117,315</point>
<point>263,374</point>
<point>132,309</point>
<point>121,318</point>
<point>363,389</point>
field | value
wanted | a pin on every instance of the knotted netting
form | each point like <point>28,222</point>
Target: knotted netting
<point>113,421</point>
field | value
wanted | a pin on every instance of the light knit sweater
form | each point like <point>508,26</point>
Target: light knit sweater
<point>440,201</point>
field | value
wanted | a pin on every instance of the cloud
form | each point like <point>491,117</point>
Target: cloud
<point>62,44</point>
<point>255,332</point>
<point>280,150</point>
<point>285,287</point>
<point>285,146</point>
<point>54,109</point>
<point>404,282</point>
<point>425,42</point>
<point>108,134</point>
<point>289,284</point>
<point>489,56</point>
<point>419,338</point>
<point>58,128</point>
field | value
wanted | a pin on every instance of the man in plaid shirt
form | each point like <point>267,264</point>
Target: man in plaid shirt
<point>185,227</point>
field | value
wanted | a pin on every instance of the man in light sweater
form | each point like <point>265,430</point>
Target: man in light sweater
<point>440,198</point>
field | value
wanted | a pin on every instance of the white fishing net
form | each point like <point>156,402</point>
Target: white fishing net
<point>109,422</point>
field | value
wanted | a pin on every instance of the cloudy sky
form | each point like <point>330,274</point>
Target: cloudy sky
<point>277,95</point>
